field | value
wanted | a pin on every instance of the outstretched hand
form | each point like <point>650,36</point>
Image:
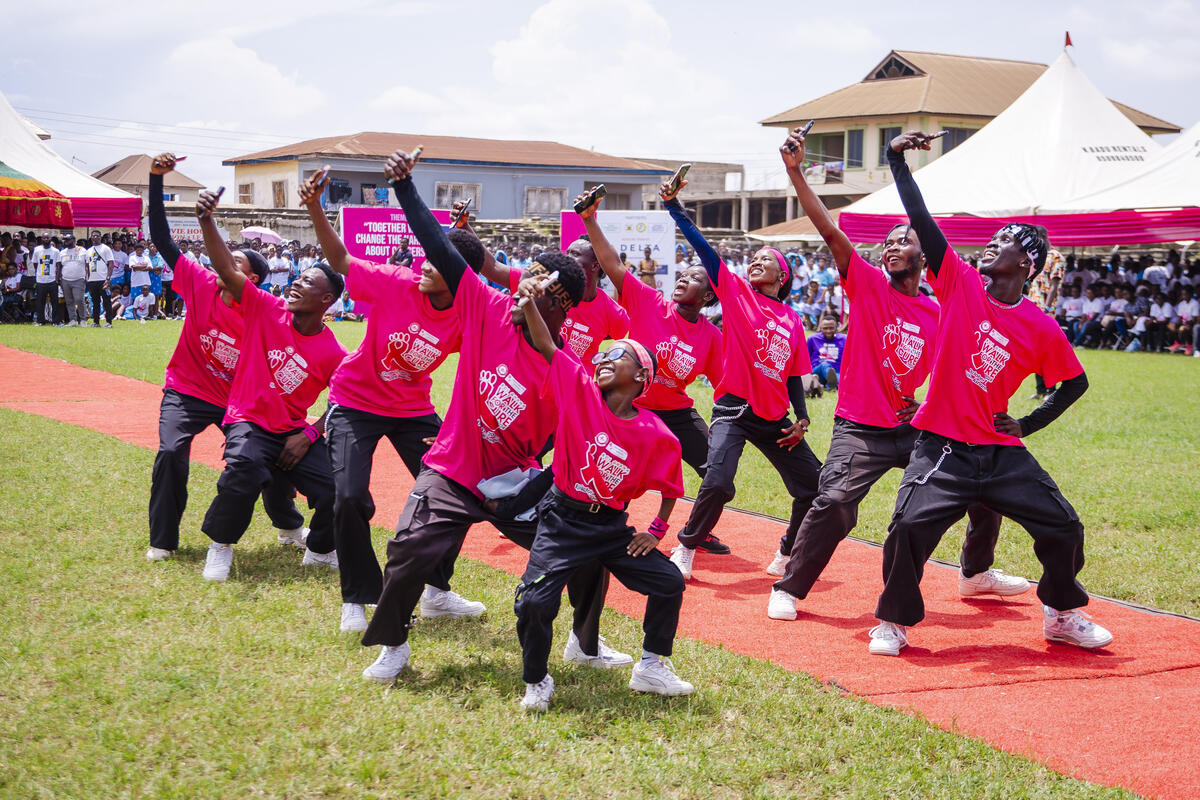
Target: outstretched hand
<point>206,204</point>
<point>163,163</point>
<point>591,210</point>
<point>913,140</point>
<point>314,186</point>
<point>792,151</point>
<point>664,190</point>
<point>793,434</point>
<point>399,166</point>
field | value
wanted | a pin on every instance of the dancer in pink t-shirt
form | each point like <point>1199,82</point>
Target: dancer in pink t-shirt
<point>199,376</point>
<point>763,364</point>
<point>288,355</point>
<point>496,424</point>
<point>888,355</point>
<point>990,339</point>
<point>382,389</point>
<point>685,344</point>
<point>607,452</point>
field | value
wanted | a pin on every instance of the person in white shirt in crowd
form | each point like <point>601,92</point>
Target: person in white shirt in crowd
<point>1113,324</point>
<point>308,259</point>
<point>1069,310</point>
<point>99,263</point>
<point>72,275</point>
<point>122,301</point>
<point>1087,327</point>
<point>1161,313</point>
<point>142,305</point>
<point>139,269</point>
<point>120,274</point>
<point>1157,274</point>
<point>293,270</point>
<point>280,268</point>
<point>1079,274</point>
<point>45,264</point>
<point>1179,329</point>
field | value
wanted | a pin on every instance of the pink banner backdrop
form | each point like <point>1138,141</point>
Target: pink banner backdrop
<point>1066,230</point>
<point>107,212</point>
<point>373,233</point>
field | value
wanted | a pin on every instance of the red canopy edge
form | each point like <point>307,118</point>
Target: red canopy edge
<point>1065,230</point>
<point>107,212</point>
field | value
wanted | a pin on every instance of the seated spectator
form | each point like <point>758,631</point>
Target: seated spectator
<point>122,302</point>
<point>1113,325</point>
<point>1069,310</point>
<point>1087,327</point>
<point>1179,329</point>
<point>12,307</point>
<point>142,306</point>
<point>1161,313</point>
<point>825,352</point>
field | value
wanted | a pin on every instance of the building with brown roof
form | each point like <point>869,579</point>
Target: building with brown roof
<point>132,174</point>
<point>506,179</point>
<point>910,90</point>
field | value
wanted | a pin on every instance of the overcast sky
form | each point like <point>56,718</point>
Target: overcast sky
<point>668,78</point>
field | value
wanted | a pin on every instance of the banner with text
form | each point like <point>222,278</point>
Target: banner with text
<point>183,228</point>
<point>631,232</point>
<point>373,233</point>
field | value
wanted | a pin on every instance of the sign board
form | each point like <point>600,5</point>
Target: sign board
<point>183,228</point>
<point>631,232</point>
<point>373,233</point>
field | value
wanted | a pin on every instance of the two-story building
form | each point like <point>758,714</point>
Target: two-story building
<point>132,174</point>
<point>504,179</point>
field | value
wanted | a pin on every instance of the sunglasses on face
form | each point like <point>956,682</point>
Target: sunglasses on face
<point>614,354</point>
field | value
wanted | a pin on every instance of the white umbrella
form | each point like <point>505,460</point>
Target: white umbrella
<point>262,234</point>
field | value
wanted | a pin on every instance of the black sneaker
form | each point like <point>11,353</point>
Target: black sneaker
<point>713,546</point>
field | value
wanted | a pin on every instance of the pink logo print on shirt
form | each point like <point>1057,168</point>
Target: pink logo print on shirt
<point>902,345</point>
<point>579,337</point>
<point>991,356</point>
<point>415,349</point>
<point>222,353</point>
<point>288,368</point>
<point>675,362</point>
<point>773,351</point>
<point>604,470</point>
<point>502,402</point>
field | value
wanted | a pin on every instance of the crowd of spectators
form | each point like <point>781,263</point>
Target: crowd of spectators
<point>1131,302</point>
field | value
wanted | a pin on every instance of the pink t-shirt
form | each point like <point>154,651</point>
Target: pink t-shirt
<point>496,420</point>
<point>984,351</point>
<point>601,458</point>
<point>406,340</point>
<point>889,349</point>
<point>206,355</point>
<point>764,346</point>
<point>589,323</point>
<point>684,349</point>
<point>281,373</point>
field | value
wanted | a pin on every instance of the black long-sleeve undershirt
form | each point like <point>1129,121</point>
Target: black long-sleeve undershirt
<point>933,241</point>
<point>795,389</point>
<point>1059,401</point>
<point>160,231</point>
<point>432,236</point>
<point>708,256</point>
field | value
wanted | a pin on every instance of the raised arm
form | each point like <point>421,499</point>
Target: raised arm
<point>708,256</point>
<point>331,244</point>
<point>933,242</point>
<point>605,253</point>
<point>539,334</point>
<point>424,225</point>
<point>494,271</point>
<point>160,231</point>
<point>792,152</point>
<point>222,260</point>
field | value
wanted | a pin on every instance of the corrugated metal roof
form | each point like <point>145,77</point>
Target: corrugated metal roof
<point>135,171</point>
<point>446,148</point>
<point>949,85</point>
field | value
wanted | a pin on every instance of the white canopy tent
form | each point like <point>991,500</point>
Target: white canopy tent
<point>1169,179</point>
<point>1059,140</point>
<point>93,202</point>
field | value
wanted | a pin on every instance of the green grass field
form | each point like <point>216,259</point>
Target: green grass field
<point>127,679</point>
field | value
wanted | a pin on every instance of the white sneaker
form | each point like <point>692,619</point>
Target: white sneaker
<point>781,605</point>
<point>108,324</point>
<point>658,677</point>
<point>778,565</point>
<point>888,639</point>
<point>218,561</point>
<point>295,537</point>
<point>72,324</point>
<point>391,662</point>
<point>158,554</point>
<point>312,559</point>
<point>1073,627</point>
<point>682,557</point>
<point>605,658</point>
<point>537,695</point>
<point>991,582</point>
<point>354,617</point>
<point>436,603</point>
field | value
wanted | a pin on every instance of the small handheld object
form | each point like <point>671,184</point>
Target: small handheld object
<point>180,158</point>
<point>543,284</point>
<point>220,191</point>
<point>416,154</point>
<point>807,128</point>
<point>937,135</point>
<point>678,177</point>
<point>591,198</point>
<point>462,213</point>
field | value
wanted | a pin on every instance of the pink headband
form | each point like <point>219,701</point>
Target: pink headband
<point>643,355</point>
<point>783,265</point>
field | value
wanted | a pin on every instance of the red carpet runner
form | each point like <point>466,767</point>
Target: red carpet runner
<point>1119,716</point>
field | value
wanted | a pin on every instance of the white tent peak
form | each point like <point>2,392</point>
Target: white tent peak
<point>1062,138</point>
<point>1169,179</point>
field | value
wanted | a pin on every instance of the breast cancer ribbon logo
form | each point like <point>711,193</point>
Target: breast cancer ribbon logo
<point>396,348</point>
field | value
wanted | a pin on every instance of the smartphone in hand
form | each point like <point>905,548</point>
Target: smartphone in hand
<point>677,178</point>
<point>591,198</point>
<point>462,213</point>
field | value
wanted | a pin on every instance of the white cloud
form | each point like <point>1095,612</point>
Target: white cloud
<point>409,100</point>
